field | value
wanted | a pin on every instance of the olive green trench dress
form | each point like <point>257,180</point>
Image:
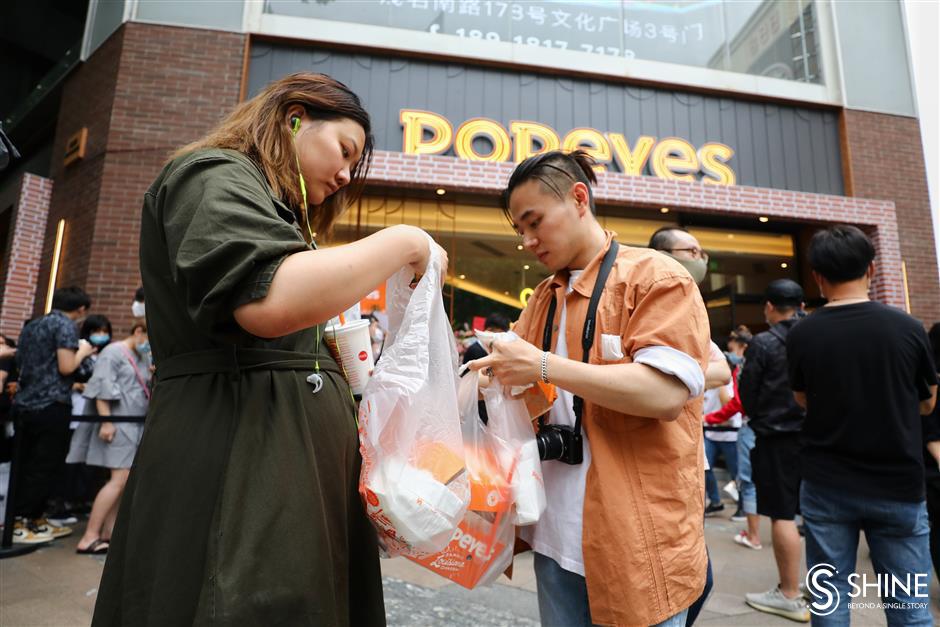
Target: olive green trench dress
<point>242,506</point>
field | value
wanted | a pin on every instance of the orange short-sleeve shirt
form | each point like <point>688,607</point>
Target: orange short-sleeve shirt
<point>643,535</point>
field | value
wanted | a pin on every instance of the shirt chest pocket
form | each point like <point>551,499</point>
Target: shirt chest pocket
<point>610,318</point>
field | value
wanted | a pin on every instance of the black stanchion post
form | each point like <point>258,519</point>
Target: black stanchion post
<point>7,548</point>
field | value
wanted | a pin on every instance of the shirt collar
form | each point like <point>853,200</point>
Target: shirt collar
<point>584,284</point>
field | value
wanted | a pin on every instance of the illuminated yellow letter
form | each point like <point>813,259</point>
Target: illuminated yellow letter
<point>524,132</point>
<point>591,142</point>
<point>463,142</point>
<point>674,158</point>
<point>714,158</point>
<point>632,161</point>
<point>414,122</point>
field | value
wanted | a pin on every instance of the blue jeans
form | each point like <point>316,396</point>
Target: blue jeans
<point>898,537</point>
<point>563,597</point>
<point>728,450</point>
<point>745,486</point>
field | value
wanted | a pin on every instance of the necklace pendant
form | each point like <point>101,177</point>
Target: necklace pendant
<point>316,381</point>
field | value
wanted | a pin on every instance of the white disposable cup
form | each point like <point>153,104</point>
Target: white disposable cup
<point>353,346</point>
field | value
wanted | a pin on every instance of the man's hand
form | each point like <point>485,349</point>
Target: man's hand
<point>515,362</point>
<point>85,349</point>
<point>107,431</point>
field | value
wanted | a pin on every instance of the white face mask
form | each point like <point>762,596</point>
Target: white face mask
<point>138,309</point>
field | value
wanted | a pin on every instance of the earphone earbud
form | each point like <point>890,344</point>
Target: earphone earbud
<point>294,124</point>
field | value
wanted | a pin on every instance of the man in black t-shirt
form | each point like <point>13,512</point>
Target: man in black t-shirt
<point>865,374</point>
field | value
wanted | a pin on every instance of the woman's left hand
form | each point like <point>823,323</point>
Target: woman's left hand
<point>515,362</point>
<point>107,431</point>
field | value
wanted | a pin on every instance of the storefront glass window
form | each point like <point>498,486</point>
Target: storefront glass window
<point>490,273</point>
<point>774,38</point>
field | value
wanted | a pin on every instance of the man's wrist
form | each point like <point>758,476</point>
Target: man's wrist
<point>543,367</point>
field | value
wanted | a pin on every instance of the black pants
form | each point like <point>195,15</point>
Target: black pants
<point>933,513</point>
<point>43,440</point>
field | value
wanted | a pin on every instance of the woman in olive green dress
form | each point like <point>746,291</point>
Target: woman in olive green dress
<point>242,506</point>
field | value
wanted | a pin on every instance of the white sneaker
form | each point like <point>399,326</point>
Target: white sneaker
<point>25,533</point>
<point>731,489</point>
<point>742,539</point>
<point>774,602</point>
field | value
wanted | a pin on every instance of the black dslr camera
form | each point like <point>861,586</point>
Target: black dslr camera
<point>560,442</point>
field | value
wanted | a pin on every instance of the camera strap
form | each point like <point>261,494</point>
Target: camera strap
<point>590,324</point>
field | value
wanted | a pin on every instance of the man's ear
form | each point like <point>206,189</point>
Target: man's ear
<point>582,198</point>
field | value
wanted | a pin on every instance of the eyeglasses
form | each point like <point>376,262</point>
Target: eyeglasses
<point>697,253</point>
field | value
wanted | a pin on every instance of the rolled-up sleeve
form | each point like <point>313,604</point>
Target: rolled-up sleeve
<point>224,236</point>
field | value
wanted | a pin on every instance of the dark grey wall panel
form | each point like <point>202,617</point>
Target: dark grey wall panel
<point>775,145</point>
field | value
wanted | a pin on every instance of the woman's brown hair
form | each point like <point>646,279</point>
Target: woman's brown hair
<point>258,129</point>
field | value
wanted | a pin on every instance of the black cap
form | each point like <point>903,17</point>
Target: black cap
<point>784,293</point>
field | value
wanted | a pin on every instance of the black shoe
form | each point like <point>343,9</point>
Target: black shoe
<point>714,508</point>
<point>738,515</point>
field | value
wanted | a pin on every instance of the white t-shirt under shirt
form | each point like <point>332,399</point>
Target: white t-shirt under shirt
<point>557,534</point>
<point>712,402</point>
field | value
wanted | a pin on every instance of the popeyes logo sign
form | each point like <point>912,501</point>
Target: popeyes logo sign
<point>427,133</point>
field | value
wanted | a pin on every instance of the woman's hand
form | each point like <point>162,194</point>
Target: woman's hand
<point>515,362</point>
<point>107,431</point>
<point>423,246</point>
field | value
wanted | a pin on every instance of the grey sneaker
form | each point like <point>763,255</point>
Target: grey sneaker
<point>774,602</point>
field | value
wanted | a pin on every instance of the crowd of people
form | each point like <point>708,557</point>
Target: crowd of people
<point>75,398</point>
<point>242,506</point>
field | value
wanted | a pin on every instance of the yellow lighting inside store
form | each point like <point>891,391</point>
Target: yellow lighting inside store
<point>443,218</point>
<point>56,258</point>
<point>482,290</point>
<point>664,210</point>
<point>784,265</point>
<point>520,247</point>
<point>764,219</point>
<point>441,191</point>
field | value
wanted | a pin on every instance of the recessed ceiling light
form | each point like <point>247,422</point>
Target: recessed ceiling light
<point>441,191</point>
<point>664,210</point>
<point>730,235</point>
<point>463,276</point>
<point>784,265</point>
<point>520,247</point>
<point>525,267</point>
<point>505,293</point>
<point>764,219</point>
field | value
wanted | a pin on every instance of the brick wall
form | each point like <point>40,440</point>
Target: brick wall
<point>148,90</point>
<point>877,217</point>
<point>885,159</point>
<point>21,280</point>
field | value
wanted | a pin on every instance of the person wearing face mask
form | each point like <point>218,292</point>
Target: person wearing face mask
<point>621,540</point>
<point>865,373</point>
<point>119,386</point>
<point>138,308</point>
<point>678,244</point>
<point>243,506</point>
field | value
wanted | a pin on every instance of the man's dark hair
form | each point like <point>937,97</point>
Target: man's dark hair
<point>139,294</point>
<point>841,253</point>
<point>70,299</point>
<point>557,171</point>
<point>663,239</point>
<point>496,321</point>
<point>94,322</point>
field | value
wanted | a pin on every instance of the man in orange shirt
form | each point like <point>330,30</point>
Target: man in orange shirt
<point>621,541</point>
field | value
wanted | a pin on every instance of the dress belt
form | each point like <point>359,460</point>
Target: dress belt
<point>234,360</point>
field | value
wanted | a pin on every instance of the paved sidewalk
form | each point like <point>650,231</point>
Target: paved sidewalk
<point>54,587</point>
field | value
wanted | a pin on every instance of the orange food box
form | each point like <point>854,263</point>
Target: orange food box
<point>470,552</point>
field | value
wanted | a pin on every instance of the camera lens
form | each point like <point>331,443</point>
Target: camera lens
<point>551,444</point>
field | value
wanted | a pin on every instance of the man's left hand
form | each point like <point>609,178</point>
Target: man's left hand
<point>514,363</point>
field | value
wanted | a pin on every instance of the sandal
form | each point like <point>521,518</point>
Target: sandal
<point>98,547</point>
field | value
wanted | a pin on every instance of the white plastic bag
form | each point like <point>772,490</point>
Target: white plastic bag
<point>413,480</point>
<point>509,421</point>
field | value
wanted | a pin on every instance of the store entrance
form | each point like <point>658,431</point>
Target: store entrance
<point>491,273</point>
